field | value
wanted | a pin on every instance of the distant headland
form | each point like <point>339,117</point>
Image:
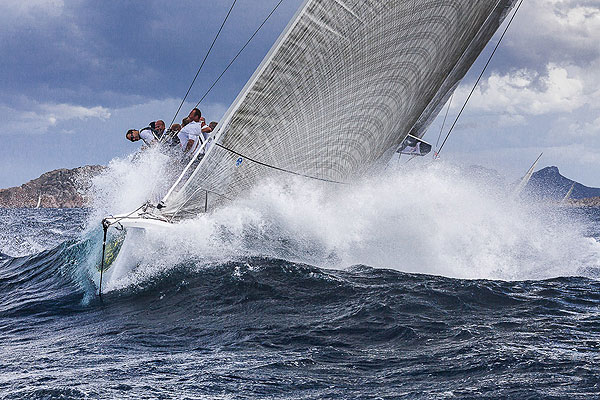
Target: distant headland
<point>61,188</point>
<point>549,184</point>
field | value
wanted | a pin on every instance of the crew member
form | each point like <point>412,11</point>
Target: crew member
<point>190,136</point>
<point>159,128</point>
<point>145,134</point>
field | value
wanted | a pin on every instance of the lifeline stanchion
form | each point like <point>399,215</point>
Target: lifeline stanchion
<point>105,226</point>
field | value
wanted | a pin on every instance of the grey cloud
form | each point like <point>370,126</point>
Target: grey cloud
<point>150,48</point>
<point>129,56</point>
<point>556,31</point>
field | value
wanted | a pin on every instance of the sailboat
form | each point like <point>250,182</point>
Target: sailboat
<point>333,100</point>
<point>526,178</point>
<point>39,202</point>
<point>565,200</point>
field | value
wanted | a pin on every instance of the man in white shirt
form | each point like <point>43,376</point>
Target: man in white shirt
<point>190,137</point>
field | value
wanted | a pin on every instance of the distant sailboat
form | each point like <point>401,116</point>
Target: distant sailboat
<point>525,180</point>
<point>39,201</point>
<point>568,195</point>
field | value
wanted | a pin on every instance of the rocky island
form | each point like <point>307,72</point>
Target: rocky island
<point>61,188</point>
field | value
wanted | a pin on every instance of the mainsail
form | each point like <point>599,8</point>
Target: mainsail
<point>339,91</point>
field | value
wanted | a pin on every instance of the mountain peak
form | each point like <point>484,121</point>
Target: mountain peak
<point>550,171</point>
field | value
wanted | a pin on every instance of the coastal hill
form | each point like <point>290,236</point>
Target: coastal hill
<point>549,185</point>
<point>61,188</point>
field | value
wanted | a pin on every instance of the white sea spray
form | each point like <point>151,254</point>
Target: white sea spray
<point>428,219</point>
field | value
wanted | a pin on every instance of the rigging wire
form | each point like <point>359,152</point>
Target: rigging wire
<point>435,153</point>
<point>278,168</point>
<point>203,61</point>
<point>410,159</point>
<point>213,85</point>
<point>480,75</point>
<point>105,228</point>
<point>116,220</point>
<point>239,52</point>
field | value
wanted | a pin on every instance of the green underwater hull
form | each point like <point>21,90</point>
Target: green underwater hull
<point>113,247</point>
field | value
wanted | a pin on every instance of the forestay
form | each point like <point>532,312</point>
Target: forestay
<point>339,91</point>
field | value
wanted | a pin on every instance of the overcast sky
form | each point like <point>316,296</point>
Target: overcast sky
<point>77,74</point>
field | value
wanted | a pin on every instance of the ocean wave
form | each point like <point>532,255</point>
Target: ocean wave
<point>220,324</point>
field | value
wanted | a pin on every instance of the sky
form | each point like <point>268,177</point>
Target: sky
<point>76,74</point>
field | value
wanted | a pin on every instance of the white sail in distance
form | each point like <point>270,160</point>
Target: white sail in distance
<point>565,199</point>
<point>339,91</point>
<point>526,178</point>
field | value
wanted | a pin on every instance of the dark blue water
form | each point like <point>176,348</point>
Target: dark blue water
<point>268,328</point>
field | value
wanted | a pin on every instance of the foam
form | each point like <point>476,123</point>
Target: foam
<point>429,219</point>
<point>129,182</point>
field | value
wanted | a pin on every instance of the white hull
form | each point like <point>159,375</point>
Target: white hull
<point>127,257</point>
<point>137,220</point>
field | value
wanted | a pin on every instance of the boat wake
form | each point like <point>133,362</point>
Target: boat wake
<point>295,279</point>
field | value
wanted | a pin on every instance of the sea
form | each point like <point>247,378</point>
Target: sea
<point>425,285</point>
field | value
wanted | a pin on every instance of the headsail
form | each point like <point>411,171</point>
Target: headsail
<point>339,91</point>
